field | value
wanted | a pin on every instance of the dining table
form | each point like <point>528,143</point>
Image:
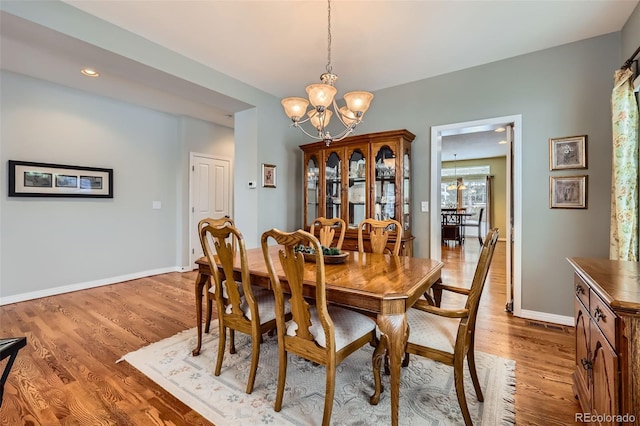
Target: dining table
<point>380,285</point>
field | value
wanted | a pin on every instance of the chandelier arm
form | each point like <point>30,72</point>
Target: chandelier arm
<point>307,133</point>
<point>346,132</point>
<point>338,113</point>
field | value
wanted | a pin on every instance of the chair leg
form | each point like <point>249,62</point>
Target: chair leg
<point>458,378</point>
<point>329,392</point>
<point>222,342</point>
<point>282,376</point>
<point>232,341</point>
<point>255,358</point>
<point>209,313</point>
<point>471,361</point>
<point>479,235</point>
<point>376,362</point>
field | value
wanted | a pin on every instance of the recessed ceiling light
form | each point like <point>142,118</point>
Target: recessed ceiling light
<point>90,72</point>
<point>500,130</point>
<point>502,142</point>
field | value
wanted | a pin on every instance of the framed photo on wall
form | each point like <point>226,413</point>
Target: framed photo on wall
<point>29,179</point>
<point>568,192</point>
<point>568,153</point>
<point>268,175</point>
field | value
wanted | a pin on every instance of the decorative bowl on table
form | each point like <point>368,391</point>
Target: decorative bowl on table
<point>331,254</point>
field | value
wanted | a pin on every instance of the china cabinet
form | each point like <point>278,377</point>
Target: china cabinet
<point>363,176</point>
<point>606,378</point>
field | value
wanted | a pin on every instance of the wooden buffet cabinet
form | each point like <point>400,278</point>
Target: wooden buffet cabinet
<point>606,379</point>
<point>359,177</point>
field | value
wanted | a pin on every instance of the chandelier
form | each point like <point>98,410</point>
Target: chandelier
<point>457,185</point>
<point>321,97</point>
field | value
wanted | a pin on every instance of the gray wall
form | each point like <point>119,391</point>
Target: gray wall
<point>562,91</point>
<point>50,243</point>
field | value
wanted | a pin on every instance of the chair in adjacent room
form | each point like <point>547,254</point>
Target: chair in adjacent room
<point>322,333</point>
<point>241,306</point>
<point>328,228</point>
<point>380,232</point>
<point>473,223</point>
<point>447,335</point>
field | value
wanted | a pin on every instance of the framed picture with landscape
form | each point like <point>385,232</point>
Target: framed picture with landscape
<point>568,192</point>
<point>29,179</point>
<point>568,153</point>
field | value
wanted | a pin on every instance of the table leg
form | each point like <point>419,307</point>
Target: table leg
<point>394,331</point>
<point>201,281</point>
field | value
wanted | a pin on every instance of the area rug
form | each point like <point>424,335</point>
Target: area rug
<point>427,393</point>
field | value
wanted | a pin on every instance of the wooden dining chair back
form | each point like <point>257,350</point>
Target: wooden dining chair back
<point>380,231</point>
<point>327,231</point>
<point>241,306</point>
<point>324,334</point>
<point>209,291</point>
<point>447,335</point>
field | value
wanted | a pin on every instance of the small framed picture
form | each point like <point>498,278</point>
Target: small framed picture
<point>568,192</point>
<point>568,153</point>
<point>268,175</point>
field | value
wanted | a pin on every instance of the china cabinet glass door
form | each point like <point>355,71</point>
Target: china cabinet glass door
<point>312,190</point>
<point>385,184</point>
<point>406,202</point>
<point>333,186</point>
<point>357,191</point>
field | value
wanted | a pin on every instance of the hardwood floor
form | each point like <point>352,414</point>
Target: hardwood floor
<point>68,375</point>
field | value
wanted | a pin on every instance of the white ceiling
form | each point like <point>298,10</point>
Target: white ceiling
<point>281,46</point>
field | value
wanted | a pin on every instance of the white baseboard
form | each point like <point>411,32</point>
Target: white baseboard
<point>83,286</point>
<point>543,316</point>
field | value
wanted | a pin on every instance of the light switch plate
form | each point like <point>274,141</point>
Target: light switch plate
<point>252,184</point>
<point>424,206</point>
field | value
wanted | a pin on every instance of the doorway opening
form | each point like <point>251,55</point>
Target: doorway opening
<point>513,205</point>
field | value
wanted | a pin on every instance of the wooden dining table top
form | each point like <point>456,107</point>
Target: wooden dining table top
<point>363,281</point>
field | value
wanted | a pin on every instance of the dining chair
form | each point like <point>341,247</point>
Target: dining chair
<point>473,223</point>
<point>447,335</point>
<point>328,228</point>
<point>241,306</point>
<point>379,233</point>
<point>321,333</point>
<point>210,295</point>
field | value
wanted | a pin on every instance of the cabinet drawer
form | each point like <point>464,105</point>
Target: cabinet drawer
<point>582,289</point>
<point>603,317</point>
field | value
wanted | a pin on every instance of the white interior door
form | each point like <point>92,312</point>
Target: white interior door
<point>211,190</point>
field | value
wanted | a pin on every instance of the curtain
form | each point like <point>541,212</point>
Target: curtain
<point>623,242</point>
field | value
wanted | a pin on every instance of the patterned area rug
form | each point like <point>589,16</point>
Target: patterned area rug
<point>427,394</point>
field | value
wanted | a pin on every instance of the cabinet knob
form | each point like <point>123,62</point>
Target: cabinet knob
<point>586,364</point>
<point>598,314</point>
<point>579,289</point>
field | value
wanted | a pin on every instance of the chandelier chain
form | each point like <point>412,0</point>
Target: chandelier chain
<point>329,67</point>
